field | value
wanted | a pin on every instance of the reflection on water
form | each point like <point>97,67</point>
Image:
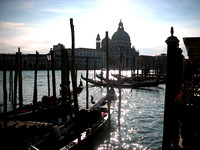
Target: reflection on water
<point>140,122</point>
<point>139,125</point>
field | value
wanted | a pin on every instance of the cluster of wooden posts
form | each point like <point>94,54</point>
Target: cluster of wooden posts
<point>65,81</point>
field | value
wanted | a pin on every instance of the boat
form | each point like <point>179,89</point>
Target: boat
<point>77,133</point>
<point>124,79</point>
<point>134,84</point>
<point>145,83</point>
<point>44,107</point>
<point>113,83</point>
<point>154,78</point>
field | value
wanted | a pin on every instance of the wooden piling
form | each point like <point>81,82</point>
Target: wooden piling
<point>87,92</point>
<point>73,76</point>
<point>5,95</point>
<point>119,107</point>
<point>48,82</point>
<point>107,73</point>
<point>63,76</point>
<point>15,84</point>
<point>54,85</point>
<point>11,84</point>
<point>94,69</point>
<point>68,85</point>
<point>20,78</point>
<point>35,94</point>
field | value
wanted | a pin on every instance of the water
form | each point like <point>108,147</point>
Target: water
<point>140,125</point>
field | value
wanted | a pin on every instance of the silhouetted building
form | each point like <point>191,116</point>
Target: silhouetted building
<point>119,43</point>
<point>28,61</point>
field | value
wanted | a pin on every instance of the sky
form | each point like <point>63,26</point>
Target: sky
<point>38,25</point>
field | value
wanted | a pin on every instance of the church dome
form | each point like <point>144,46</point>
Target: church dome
<point>120,34</point>
<point>104,41</point>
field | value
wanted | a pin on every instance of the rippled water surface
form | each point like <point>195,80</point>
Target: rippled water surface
<point>139,125</point>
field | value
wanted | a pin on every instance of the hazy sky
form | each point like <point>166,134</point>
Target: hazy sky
<point>40,24</point>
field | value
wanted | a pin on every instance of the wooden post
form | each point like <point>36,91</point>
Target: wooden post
<point>120,68</point>
<point>73,76</point>
<point>15,83</point>
<point>63,76</point>
<point>138,67</point>
<point>68,86</point>
<point>63,84</point>
<point>11,84</point>
<point>35,83</point>
<point>94,69</point>
<point>20,78</point>
<point>48,82</point>
<point>87,92</point>
<point>54,85</point>
<point>5,95</point>
<point>173,77</point>
<point>107,73</point>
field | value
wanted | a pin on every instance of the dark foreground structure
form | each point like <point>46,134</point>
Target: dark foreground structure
<point>182,99</point>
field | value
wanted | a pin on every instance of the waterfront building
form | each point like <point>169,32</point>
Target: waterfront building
<point>119,43</point>
<point>95,57</point>
<point>27,61</point>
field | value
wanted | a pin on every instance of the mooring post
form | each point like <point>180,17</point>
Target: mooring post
<point>15,84</point>
<point>95,69</point>
<point>20,78</point>
<point>173,82</point>
<point>87,92</point>
<point>11,83</point>
<point>48,82</point>
<point>5,94</point>
<point>73,75</point>
<point>35,83</point>
<point>68,86</point>
<point>107,73</point>
<point>63,85</point>
<point>63,76</point>
<point>54,85</point>
<point>120,68</point>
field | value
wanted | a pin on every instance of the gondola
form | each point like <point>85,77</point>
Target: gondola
<point>104,84</point>
<point>76,134</point>
<point>43,107</point>
<point>133,84</point>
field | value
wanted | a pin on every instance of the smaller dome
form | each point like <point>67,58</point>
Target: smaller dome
<point>103,43</point>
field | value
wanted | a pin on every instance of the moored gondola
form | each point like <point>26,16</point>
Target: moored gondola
<point>76,133</point>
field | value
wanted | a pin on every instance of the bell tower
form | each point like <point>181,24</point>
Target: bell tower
<point>98,41</point>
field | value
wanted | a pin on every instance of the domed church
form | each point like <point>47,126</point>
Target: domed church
<point>120,42</point>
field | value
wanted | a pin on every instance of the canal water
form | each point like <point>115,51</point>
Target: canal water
<point>140,126</point>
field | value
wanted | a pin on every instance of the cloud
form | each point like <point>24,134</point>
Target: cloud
<point>11,25</point>
<point>26,45</point>
<point>23,35</point>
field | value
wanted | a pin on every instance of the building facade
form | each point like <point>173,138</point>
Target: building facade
<point>119,43</point>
